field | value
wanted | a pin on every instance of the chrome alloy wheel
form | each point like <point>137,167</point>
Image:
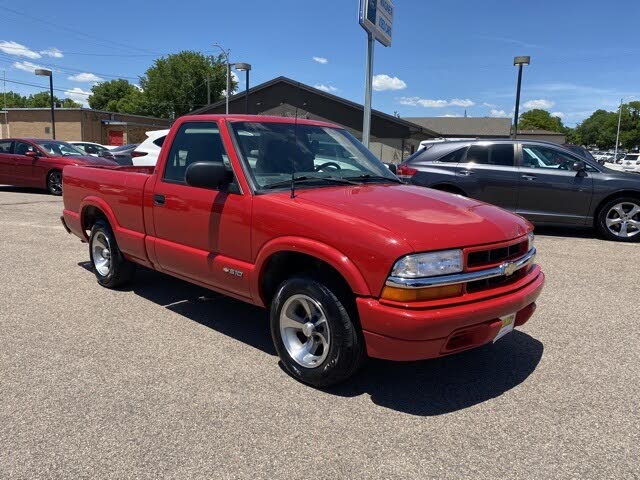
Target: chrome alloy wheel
<point>55,183</point>
<point>101,251</point>
<point>305,331</point>
<point>623,219</point>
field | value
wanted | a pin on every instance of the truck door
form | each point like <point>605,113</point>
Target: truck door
<point>201,234</point>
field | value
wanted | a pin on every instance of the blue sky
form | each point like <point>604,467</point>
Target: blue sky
<point>446,56</point>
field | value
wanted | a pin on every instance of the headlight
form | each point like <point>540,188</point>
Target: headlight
<point>428,264</point>
<point>530,237</point>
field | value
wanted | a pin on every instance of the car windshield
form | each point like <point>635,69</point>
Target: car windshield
<point>54,147</point>
<point>122,148</point>
<point>273,152</point>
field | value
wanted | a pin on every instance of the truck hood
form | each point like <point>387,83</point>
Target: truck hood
<point>426,219</point>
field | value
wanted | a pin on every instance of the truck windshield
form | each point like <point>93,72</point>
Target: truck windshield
<point>272,152</point>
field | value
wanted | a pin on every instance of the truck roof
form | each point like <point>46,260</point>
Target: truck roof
<point>258,118</point>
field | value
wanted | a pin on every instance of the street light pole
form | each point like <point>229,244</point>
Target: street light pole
<point>43,72</point>
<point>615,155</point>
<point>366,122</point>
<point>520,62</point>
<point>226,56</point>
<point>246,68</point>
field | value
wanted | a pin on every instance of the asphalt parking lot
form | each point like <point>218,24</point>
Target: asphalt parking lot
<point>165,379</point>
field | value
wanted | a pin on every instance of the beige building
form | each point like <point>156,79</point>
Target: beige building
<point>85,124</point>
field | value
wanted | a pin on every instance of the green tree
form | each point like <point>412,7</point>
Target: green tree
<point>43,100</point>
<point>538,119</point>
<point>14,100</point>
<point>177,84</point>
<point>117,96</point>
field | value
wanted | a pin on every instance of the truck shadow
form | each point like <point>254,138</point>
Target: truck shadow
<point>425,388</point>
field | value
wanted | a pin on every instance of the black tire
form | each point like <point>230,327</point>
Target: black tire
<point>119,270</point>
<point>54,182</point>
<point>606,213</point>
<point>345,353</point>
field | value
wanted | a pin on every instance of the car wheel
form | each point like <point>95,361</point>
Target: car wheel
<point>54,182</point>
<point>318,340</point>
<point>110,267</point>
<point>619,219</point>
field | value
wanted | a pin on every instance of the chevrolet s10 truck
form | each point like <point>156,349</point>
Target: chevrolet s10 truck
<point>297,216</point>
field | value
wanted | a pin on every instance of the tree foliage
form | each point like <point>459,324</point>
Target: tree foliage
<point>116,96</point>
<point>601,128</point>
<point>177,84</point>
<point>538,119</point>
<point>36,100</point>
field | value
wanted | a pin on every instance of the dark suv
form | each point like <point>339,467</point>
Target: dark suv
<point>542,181</point>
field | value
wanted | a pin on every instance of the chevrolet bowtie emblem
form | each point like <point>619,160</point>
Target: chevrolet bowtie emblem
<point>509,268</point>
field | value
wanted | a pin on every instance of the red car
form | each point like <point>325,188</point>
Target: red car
<point>38,163</point>
<point>297,216</point>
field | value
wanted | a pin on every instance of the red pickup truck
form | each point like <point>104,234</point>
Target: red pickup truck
<point>298,217</point>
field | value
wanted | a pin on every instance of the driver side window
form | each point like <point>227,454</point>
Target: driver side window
<point>535,156</point>
<point>22,148</point>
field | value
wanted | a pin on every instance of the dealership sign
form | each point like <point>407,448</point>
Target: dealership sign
<point>376,17</point>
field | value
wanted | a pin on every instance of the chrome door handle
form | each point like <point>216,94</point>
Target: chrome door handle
<point>466,173</point>
<point>529,177</point>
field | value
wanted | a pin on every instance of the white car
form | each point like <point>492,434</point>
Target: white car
<point>91,148</point>
<point>146,154</point>
<point>631,162</point>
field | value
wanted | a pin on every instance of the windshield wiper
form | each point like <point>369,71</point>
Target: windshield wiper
<point>368,176</point>
<point>305,179</point>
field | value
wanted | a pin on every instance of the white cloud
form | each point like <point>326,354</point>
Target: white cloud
<point>490,105</point>
<point>321,60</point>
<point>429,103</point>
<point>450,115</point>
<point>26,66</point>
<point>85,77</point>
<point>52,52</point>
<point>558,114</point>
<point>78,95</point>
<point>325,88</point>
<point>497,113</point>
<point>385,82</point>
<point>540,103</point>
<point>14,48</point>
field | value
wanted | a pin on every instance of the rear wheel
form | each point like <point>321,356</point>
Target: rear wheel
<point>317,338</point>
<point>110,267</point>
<point>54,182</point>
<point>619,220</point>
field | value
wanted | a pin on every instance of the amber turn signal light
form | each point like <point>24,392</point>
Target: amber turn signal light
<point>421,294</point>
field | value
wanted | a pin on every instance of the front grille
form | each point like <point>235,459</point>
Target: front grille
<point>494,282</point>
<point>496,255</point>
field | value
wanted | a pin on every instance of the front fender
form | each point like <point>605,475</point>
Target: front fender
<point>338,260</point>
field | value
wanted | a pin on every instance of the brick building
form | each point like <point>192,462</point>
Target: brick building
<point>106,128</point>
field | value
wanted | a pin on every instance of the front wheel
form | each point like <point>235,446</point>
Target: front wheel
<point>316,337</point>
<point>54,182</point>
<point>619,220</point>
<point>110,267</point>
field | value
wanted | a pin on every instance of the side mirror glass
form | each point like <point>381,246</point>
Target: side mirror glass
<point>392,167</point>
<point>212,175</point>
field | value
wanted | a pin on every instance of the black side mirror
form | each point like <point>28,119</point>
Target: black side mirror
<point>392,167</point>
<point>213,175</point>
<point>579,166</point>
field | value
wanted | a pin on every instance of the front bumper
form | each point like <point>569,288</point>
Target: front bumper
<point>395,333</point>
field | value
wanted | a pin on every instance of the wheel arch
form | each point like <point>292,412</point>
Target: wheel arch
<point>613,196</point>
<point>288,256</point>
<point>93,209</point>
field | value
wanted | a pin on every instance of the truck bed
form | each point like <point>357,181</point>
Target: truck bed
<point>120,193</point>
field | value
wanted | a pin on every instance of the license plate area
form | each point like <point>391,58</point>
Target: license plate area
<point>508,323</point>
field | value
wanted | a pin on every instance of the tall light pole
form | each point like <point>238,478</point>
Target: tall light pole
<point>226,57</point>
<point>520,62</point>
<point>615,155</point>
<point>246,68</point>
<point>43,72</point>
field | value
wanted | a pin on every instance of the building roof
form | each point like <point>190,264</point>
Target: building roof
<point>279,81</point>
<point>465,126</point>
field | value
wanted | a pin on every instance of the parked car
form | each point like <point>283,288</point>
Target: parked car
<point>147,152</point>
<point>90,148</point>
<point>542,181</point>
<point>122,154</point>
<point>631,162</point>
<point>583,152</point>
<point>350,261</point>
<point>38,163</point>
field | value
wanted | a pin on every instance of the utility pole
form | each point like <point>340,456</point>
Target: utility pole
<point>615,155</point>
<point>208,89</point>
